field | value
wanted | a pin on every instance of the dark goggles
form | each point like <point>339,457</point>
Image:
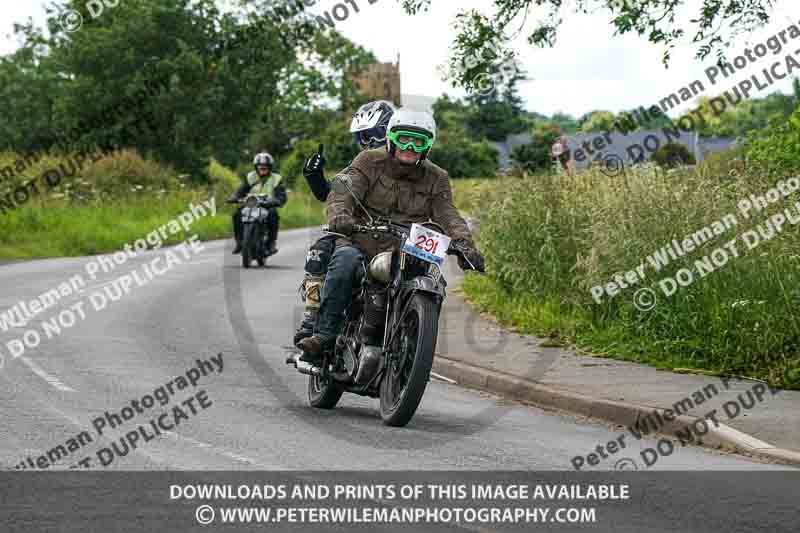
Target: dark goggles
<point>367,138</point>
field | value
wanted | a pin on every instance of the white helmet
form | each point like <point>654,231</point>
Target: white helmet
<point>413,121</point>
<point>370,122</point>
<point>263,159</point>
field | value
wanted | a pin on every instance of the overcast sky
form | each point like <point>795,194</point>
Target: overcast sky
<point>588,69</point>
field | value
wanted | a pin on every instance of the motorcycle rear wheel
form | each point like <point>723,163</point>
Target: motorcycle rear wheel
<point>323,394</point>
<point>408,372</point>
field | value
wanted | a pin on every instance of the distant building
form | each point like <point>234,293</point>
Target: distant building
<point>638,146</point>
<point>381,81</point>
<point>630,149</point>
<point>505,148</point>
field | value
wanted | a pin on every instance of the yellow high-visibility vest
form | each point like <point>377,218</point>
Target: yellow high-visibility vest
<point>259,186</point>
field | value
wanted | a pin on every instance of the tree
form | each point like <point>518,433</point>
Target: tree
<point>796,91</point>
<point>536,155</point>
<point>672,155</point>
<point>598,121</point>
<point>459,150</point>
<point>29,90</point>
<point>777,148</point>
<point>747,116</point>
<point>463,157</point>
<point>713,25</point>
<point>176,79</point>
<point>567,123</point>
<point>497,113</point>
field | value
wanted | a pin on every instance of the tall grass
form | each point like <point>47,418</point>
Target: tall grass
<point>549,240</point>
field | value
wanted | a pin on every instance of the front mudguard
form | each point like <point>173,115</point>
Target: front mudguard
<point>423,284</point>
<point>407,290</point>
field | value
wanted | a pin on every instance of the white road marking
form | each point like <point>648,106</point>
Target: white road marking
<point>219,451</point>
<point>52,380</point>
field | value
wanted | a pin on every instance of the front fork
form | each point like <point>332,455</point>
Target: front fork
<point>424,285</point>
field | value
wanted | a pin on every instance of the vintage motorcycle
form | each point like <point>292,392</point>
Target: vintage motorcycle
<point>401,296</point>
<point>256,243</point>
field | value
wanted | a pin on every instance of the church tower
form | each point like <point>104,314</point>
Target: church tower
<point>381,81</point>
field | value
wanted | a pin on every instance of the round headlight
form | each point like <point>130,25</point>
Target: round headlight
<point>251,201</point>
<point>380,268</point>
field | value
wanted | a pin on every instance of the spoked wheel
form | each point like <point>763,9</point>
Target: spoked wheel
<point>410,364</point>
<point>248,245</point>
<point>323,393</point>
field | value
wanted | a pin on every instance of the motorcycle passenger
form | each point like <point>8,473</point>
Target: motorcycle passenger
<point>261,181</point>
<point>397,182</point>
<point>369,130</point>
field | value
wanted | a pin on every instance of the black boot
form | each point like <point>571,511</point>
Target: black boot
<point>306,328</point>
<point>313,347</point>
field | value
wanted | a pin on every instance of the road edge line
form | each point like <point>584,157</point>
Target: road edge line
<point>622,413</point>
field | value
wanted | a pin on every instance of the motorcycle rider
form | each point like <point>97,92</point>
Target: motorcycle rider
<point>399,183</point>
<point>262,180</point>
<point>368,127</point>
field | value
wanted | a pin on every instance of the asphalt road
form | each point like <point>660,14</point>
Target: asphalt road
<point>252,415</point>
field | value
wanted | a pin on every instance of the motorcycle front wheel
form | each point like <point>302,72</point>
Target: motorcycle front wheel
<point>248,245</point>
<point>411,360</point>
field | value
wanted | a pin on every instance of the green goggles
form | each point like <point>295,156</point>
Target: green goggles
<point>419,142</point>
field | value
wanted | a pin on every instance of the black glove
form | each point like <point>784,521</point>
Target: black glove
<point>314,173</point>
<point>342,224</point>
<point>232,200</point>
<point>269,203</point>
<point>469,254</point>
<point>315,163</point>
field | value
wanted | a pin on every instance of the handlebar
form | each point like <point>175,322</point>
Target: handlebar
<point>263,200</point>
<point>389,229</point>
<point>401,231</point>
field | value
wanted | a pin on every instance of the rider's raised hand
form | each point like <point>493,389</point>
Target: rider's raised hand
<point>314,172</point>
<point>316,163</point>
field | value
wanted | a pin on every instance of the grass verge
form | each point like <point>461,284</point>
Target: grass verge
<point>550,240</point>
<point>58,229</point>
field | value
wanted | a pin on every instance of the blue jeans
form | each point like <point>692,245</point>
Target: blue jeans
<point>345,272</point>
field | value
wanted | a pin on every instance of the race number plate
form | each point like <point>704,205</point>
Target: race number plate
<point>427,244</point>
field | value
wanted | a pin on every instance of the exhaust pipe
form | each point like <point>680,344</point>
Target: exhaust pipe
<point>306,368</point>
<point>303,367</point>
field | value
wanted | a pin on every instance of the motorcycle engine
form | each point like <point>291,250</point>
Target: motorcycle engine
<point>350,358</point>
